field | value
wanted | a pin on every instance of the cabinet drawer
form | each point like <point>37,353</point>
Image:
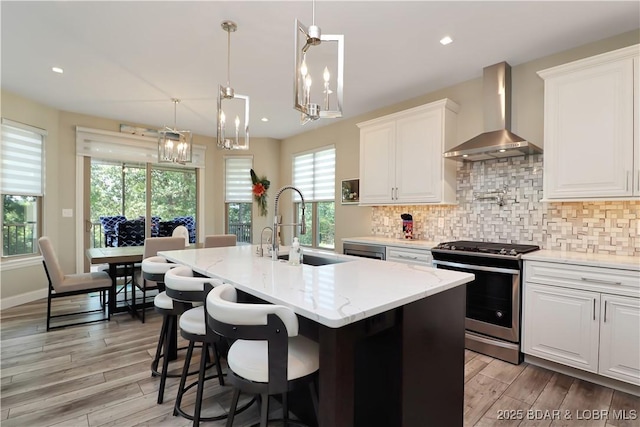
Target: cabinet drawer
<point>409,256</point>
<point>599,279</point>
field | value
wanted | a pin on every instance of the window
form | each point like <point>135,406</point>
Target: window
<point>314,174</point>
<point>238,200</point>
<point>21,160</point>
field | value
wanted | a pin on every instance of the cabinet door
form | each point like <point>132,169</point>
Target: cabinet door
<point>377,163</point>
<point>589,132</point>
<point>620,338</point>
<point>419,157</point>
<point>561,325</point>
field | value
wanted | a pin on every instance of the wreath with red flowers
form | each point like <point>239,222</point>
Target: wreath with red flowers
<point>259,190</point>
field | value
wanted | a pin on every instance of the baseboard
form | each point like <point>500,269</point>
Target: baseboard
<point>583,375</point>
<point>22,298</point>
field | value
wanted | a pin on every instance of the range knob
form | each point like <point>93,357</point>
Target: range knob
<point>513,252</point>
<point>503,251</point>
<point>499,314</point>
<point>453,248</point>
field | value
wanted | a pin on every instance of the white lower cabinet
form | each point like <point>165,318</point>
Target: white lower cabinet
<point>562,325</point>
<point>620,338</point>
<point>572,316</point>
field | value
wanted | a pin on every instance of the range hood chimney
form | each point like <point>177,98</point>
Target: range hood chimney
<point>497,141</point>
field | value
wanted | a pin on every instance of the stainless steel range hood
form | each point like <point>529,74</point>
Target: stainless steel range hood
<point>497,141</point>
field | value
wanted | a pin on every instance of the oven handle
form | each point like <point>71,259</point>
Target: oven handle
<point>477,267</point>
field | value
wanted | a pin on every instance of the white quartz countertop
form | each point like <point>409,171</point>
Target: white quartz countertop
<point>581,258</point>
<point>389,241</point>
<point>333,295</point>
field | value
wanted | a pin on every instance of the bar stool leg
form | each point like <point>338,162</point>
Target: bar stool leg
<point>165,359</point>
<point>201,376</point>
<point>183,378</point>
<point>264,410</point>
<point>159,348</point>
<point>234,406</point>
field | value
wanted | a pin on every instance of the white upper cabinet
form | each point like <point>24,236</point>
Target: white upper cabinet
<point>401,158</point>
<point>591,128</point>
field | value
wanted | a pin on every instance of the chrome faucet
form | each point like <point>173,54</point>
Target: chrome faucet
<point>259,250</point>
<point>275,243</point>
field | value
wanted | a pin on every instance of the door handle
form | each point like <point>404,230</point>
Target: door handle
<point>605,311</point>
<point>594,309</point>
<point>88,225</point>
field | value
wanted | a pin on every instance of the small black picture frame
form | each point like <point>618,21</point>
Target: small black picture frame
<point>350,191</point>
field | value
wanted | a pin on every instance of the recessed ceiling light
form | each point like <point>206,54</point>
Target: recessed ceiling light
<point>445,40</point>
<point>264,119</point>
<point>502,151</point>
<point>465,155</point>
<point>57,70</point>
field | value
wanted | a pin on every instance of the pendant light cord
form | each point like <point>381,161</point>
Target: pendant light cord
<point>228,57</point>
<point>313,12</point>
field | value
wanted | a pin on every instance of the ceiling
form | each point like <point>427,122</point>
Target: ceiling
<point>126,60</point>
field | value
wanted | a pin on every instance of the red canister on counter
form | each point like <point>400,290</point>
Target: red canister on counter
<point>407,225</point>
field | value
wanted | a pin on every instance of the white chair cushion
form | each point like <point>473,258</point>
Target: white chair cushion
<point>156,265</point>
<point>163,301</point>
<point>76,282</point>
<point>192,321</point>
<point>249,359</point>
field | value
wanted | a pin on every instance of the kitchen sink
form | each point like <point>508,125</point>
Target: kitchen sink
<point>314,260</point>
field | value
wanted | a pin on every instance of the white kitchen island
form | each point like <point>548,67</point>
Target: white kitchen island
<point>391,335</point>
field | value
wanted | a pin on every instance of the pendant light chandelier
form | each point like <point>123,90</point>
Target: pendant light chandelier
<point>233,134</point>
<point>174,146</point>
<point>327,60</point>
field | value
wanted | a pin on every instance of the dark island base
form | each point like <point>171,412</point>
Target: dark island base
<point>402,368</point>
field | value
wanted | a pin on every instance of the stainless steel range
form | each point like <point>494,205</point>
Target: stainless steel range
<point>494,297</point>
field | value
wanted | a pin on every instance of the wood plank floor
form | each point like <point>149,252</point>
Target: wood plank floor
<point>98,375</point>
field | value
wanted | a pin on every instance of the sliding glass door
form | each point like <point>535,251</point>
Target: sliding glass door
<point>119,192</point>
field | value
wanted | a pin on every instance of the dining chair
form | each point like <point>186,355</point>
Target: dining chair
<point>65,285</point>
<point>262,359</point>
<point>190,223</point>
<point>181,231</point>
<point>129,233</point>
<point>220,240</point>
<point>144,282</point>
<point>108,224</point>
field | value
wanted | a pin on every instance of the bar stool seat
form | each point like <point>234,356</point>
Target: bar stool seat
<point>191,321</point>
<point>163,302</point>
<point>250,359</point>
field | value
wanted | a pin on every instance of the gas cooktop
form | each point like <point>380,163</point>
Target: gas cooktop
<point>486,247</point>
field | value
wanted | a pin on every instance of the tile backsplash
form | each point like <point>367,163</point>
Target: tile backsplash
<point>595,227</point>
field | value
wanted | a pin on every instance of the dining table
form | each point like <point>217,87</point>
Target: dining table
<point>124,256</point>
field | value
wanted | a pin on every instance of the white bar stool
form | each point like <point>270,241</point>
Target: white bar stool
<point>268,357</point>
<point>154,269</point>
<point>182,285</point>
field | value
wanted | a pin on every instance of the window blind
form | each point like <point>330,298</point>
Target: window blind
<point>314,174</point>
<point>238,179</point>
<point>21,149</point>
<point>124,147</point>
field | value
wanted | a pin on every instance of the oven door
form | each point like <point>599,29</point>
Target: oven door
<point>493,300</point>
